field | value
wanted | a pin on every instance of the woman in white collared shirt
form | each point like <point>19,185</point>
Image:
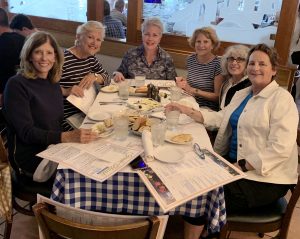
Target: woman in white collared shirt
<point>258,130</point>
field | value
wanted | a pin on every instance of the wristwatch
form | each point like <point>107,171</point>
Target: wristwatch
<point>242,164</point>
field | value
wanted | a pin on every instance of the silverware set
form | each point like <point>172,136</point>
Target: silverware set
<point>111,103</point>
<point>198,151</point>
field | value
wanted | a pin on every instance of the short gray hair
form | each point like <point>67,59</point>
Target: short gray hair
<point>235,51</point>
<point>153,21</point>
<point>91,26</point>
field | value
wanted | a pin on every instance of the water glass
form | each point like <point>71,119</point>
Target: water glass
<point>124,89</point>
<point>175,93</point>
<point>158,131</point>
<point>120,121</point>
<point>139,80</point>
<point>172,118</point>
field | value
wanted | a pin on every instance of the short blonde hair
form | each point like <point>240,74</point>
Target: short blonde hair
<point>209,32</point>
<point>90,26</point>
<point>235,51</point>
<point>34,41</point>
<point>153,21</point>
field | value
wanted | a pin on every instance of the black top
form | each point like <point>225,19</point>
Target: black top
<point>239,86</point>
<point>11,44</point>
<point>33,109</point>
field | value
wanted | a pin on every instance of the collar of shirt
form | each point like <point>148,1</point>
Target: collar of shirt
<point>141,50</point>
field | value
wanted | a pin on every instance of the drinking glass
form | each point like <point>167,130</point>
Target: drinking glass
<point>175,93</point>
<point>158,131</point>
<point>120,122</point>
<point>124,89</point>
<point>172,118</point>
<point>139,80</point>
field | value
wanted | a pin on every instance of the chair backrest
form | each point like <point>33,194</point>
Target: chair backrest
<point>290,208</point>
<point>53,226</point>
<point>5,138</point>
<point>3,152</point>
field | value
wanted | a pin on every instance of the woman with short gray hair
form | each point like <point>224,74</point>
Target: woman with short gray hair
<point>82,68</point>
<point>149,59</point>
<point>233,64</point>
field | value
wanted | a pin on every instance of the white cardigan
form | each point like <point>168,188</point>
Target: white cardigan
<point>267,131</point>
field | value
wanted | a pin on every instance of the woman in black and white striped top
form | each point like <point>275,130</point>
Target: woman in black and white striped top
<point>82,68</point>
<point>204,77</point>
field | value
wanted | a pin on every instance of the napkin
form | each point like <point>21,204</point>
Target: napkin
<point>189,102</point>
<point>148,146</point>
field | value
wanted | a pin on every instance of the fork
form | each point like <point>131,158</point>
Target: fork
<point>198,151</point>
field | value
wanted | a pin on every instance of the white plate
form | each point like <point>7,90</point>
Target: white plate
<point>107,131</point>
<point>169,137</point>
<point>98,116</point>
<point>168,154</point>
<point>110,89</point>
<point>143,104</point>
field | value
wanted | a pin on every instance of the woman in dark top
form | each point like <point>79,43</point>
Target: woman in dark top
<point>33,104</point>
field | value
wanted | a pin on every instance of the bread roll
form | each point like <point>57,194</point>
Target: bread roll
<point>138,123</point>
<point>142,89</point>
<point>144,127</point>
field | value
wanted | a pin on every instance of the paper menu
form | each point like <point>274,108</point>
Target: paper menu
<point>176,183</point>
<point>98,160</point>
<point>84,103</point>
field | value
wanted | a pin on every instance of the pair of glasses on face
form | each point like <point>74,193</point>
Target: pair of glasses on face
<point>238,59</point>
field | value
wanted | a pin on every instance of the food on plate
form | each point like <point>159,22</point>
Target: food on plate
<point>108,122</point>
<point>102,130</point>
<point>139,122</point>
<point>99,128</point>
<point>182,138</point>
<point>144,104</point>
<point>142,89</point>
<point>143,123</point>
<point>132,90</point>
<point>152,121</point>
<point>110,88</point>
<point>144,127</point>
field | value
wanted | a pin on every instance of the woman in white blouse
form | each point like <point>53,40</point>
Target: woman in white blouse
<point>257,132</point>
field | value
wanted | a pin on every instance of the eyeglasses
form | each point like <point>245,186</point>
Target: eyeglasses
<point>238,59</point>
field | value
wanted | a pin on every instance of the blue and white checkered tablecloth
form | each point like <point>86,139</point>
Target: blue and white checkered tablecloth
<point>125,193</point>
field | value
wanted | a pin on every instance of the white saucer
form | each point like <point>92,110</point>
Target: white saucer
<point>106,133</point>
<point>98,116</point>
<point>110,89</point>
<point>168,154</point>
<point>170,135</point>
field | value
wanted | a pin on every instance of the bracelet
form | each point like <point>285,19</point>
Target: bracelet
<point>96,75</point>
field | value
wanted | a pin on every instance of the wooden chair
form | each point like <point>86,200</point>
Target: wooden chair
<point>53,226</point>
<point>266,219</point>
<point>22,187</point>
<point>4,167</point>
